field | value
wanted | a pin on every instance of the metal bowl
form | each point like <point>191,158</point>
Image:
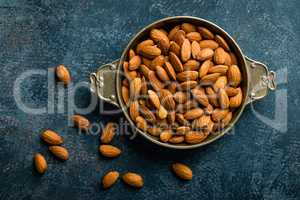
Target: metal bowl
<point>257,79</point>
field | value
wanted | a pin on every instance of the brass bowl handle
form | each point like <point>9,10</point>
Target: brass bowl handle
<point>261,80</point>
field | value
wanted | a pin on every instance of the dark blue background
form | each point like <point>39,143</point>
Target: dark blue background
<point>256,162</point>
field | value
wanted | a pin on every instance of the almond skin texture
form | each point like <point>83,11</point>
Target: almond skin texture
<point>179,37</point>
<point>195,137</point>
<point>205,67</point>
<point>134,109</point>
<point>109,179</point>
<point>135,88</point>
<point>141,123</point>
<point>221,82</point>
<point>194,36</point>
<point>187,76</point>
<point>133,179</point>
<point>222,42</point>
<point>52,138</point>
<point>143,44</point>
<point>209,79</point>
<point>154,98</point>
<point>186,50</point>
<point>135,62</point>
<point>220,56</point>
<point>236,100</point>
<point>208,44</point>
<point>180,97</point>
<point>200,96</point>
<point>170,70</point>
<point>191,65</point>
<point>40,163</point>
<point>131,54</point>
<point>81,122</point>
<point>187,85</point>
<point>158,61</point>
<point>176,139</point>
<point>222,69</point>
<point>166,99</point>
<point>223,99</point>
<point>147,114</point>
<point>176,63</point>
<point>63,74</point>
<point>173,32</point>
<point>205,54</point>
<point>218,114</point>
<point>234,75</point>
<point>195,48</point>
<point>60,152</point>
<point>175,48</point>
<point>109,151</point>
<point>108,133</point>
<point>162,112</point>
<point>161,73</point>
<point>161,39</point>
<point>165,135</point>
<point>231,91</point>
<point>154,81</point>
<point>182,171</point>
<point>150,52</point>
<point>193,114</point>
<point>125,94</point>
<point>187,27</point>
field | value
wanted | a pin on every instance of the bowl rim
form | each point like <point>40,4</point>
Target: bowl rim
<point>124,107</point>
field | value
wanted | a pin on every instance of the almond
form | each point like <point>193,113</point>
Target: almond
<point>154,99</point>
<point>222,69</point>
<point>40,163</point>
<point>51,137</point>
<point>176,63</point>
<point>135,88</point>
<point>125,94</point>
<point>231,91</point>
<point>201,123</point>
<point>205,67</point>
<point>143,44</point>
<point>205,54</point>
<point>147,114</point>
<point>108,133</point>
<point>222,42</point>
<point>195,48</point>
<point>223,99</point>
<point>161,39</point>
<point>172,87</point>
<point>154,131</point>
<point>181,97</point>
<point>109,151</point>
<point>171,117</point>
<point>187,85</point>
<point>145,70</point>
<point>133,179</point>
<point>182,130</point>
<point>125,83</point>
<point>170,70</point>
<point>131,54</point>
<point>182,171</point>
<point>109,179</point>
<point>173,32</point>
<point>60,152</point>
<point>208,44</point>
<point>166,99</point>
<point>191,65</point>
<point>135,62</point>
<point>141,123</point>
<point>134,110</point>
<point>193,114</point>
<point>193,36</point>
<point>186,50</point>
<point>233,59</point>
<point>187,76</point>
<point>162,112</point>
<point>150,51</point>
<point>220,56</point>
<point>187,27</point>
<point>162,74</point>
<point>144,87</point>
<point>212,96</point>
<point>165,135</point>
<point>187,106</point>
<point>234,75</point>
<point>207,34</point>
<point>227,119</point>
<point>200,96</point>
<point>209,109</point>
<point>158,61</point>
<point>181,119</point>
<point>154,81</point>
<point>236,100</point>
<point>147,62</point>
<point>129,74</point>
<point>81,122</point>
<point>218,114</point>
<point>209,79</point>
<point>176,139</point>
<point>221,82</point>
<point>179,37</point>
<point>195,137</point>
<point>63,74</point>
<point>175,48</point>
<point>228,61</point>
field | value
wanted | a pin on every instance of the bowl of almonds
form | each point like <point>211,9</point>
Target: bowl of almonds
<point>182,82</point>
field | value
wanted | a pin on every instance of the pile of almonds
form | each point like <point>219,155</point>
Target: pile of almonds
<point>182,85</point>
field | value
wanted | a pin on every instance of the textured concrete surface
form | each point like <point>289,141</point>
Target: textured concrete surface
<point>259,161</point>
